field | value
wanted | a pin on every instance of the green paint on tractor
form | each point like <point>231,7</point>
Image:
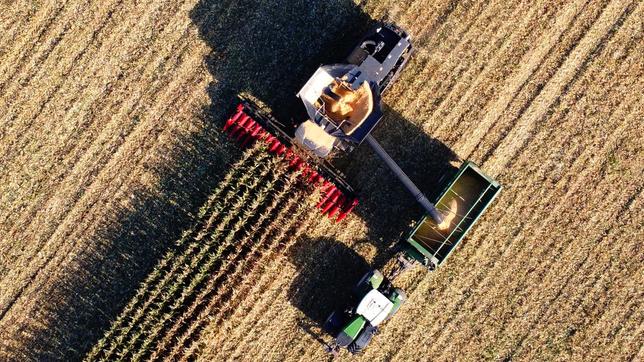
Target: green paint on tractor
<point>355,326</point>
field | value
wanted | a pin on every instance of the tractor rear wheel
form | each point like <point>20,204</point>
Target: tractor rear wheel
<point>363,339</point>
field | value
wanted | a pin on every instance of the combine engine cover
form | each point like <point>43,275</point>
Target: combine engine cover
<point>314,138</point>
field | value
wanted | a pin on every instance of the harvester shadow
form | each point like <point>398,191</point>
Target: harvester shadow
<point>266,49</point>
<point>269,48</point>
<point>106,277</point>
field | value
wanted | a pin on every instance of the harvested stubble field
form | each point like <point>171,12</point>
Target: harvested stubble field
<point>131,228</point>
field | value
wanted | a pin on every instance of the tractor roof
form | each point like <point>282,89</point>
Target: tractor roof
<point>375,307</point>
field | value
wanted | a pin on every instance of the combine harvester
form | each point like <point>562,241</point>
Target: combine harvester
<point>343,105</point>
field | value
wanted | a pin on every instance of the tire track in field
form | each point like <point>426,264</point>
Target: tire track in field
<point>118,198</point>
<point>518,257</point>
<point>542,75</point>
<point>413,80</point>
<point>584,101</point>
<point>529,64</point>
<point>615,13</point>
<point>579,70</point>
<point>89,187</point>
<point>95,143</point>
<point>488,47</point>
<point>572,189</point>
<point>526,267</point>
<point>502,63</point>
<point>495,135</point>
<point>567,107</point>
<point>146,135</point>
<point>29,44</point>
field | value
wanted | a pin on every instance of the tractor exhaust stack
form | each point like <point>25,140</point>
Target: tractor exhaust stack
<point>418,195</point>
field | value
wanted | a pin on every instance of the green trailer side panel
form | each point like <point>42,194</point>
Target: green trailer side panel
<point>463,200</point>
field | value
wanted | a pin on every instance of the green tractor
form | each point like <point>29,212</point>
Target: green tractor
<point>376,301</point>
<point>462,201</point>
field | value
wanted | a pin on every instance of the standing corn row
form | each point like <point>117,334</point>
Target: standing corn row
<point>207,254</point>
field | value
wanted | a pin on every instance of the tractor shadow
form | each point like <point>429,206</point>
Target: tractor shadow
<point>328,270</point>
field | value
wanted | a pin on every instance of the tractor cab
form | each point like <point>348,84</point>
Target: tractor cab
<point>354,327</point>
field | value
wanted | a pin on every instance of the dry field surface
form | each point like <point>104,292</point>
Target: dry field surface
<point>131,228</point>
